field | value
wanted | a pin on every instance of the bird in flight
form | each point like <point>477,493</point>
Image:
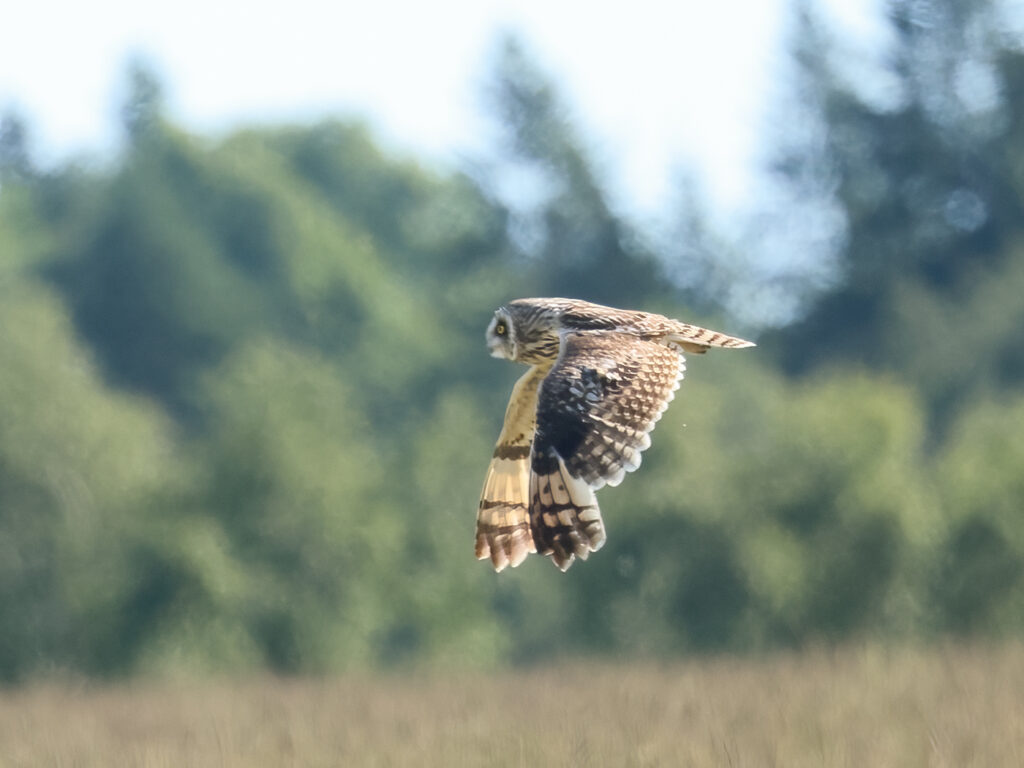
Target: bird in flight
<point>599,380</point>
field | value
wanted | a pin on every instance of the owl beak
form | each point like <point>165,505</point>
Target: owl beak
<point>501,347</point>
<point>496,348</point>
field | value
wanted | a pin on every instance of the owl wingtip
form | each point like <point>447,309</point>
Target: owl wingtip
<point>502,558</point>
<point>564,565</point>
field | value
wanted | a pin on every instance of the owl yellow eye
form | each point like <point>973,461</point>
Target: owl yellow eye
<point>501,329</point>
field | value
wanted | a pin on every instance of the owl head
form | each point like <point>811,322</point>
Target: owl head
<point>526,330</point>
<point>500,338</point>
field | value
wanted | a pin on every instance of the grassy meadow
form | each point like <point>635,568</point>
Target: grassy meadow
<point>862,706</point>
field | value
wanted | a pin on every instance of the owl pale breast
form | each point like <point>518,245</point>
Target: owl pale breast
<point>600,379</point>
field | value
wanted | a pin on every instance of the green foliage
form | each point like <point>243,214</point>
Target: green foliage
<point>82,471</point>
<point>923,178</point>
<point>245,407</point>
<point>284,328</point>
<point>979,580</point>
<point>15,155</point>
<point>293,478</point>
<point>791,517</point>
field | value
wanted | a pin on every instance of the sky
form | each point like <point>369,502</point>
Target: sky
<point>656,87</point>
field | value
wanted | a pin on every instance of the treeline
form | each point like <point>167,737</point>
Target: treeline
<point>245,406</point>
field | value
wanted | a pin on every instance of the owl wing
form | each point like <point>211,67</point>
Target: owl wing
<point>502,520</point>
<point>595,410</point>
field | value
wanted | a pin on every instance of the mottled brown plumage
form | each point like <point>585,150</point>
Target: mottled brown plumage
<point>600,378</point>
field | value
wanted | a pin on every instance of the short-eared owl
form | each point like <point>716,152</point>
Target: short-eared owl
<point>599,379</point>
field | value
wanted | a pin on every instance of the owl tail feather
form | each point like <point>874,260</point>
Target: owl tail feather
<point>564,515</point>
<point>697,341</point>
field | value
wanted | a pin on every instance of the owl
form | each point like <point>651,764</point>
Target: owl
<point>599,380</point>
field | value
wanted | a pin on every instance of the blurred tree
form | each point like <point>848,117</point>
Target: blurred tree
<point>15,153</point>
<point>799,516</point>
<point>142,111</point>
<point>79,469</point>
<point>978,575</point>
<point>919,156</point>
<point>446,601</point>
<point>579,246</point>
<point>294,477</point>
<point>249,426</point>
<point>150,289</point>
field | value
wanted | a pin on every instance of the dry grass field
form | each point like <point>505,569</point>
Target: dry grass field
<point>866,706</point>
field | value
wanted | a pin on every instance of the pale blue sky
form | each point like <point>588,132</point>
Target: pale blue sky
<point>654,84</point>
